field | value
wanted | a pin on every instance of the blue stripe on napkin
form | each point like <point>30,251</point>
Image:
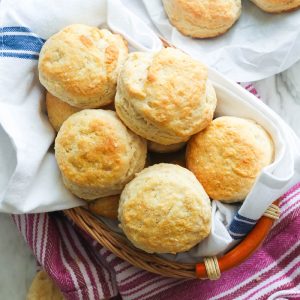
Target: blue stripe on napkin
<point>18,45</point>
<point>241,226</point>
<point>22,42</point>
<point>14,29</point>
<point>20,55</point>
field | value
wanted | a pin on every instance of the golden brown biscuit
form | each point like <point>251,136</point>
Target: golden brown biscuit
<point>277,6</point>
<point>43,288</point>
<point>80,65</point>
<point>228,156</point>
<point>106,206</point>
<point>97,155</point>
<point>164,209</point>
<point>164,97</point>
<point>58,111</point>
<point>159,148</point>
<point>202,18</point>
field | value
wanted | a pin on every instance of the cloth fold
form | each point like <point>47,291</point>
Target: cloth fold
<point>241,52</point>
<point>27,161</point>
<point>83,269</point>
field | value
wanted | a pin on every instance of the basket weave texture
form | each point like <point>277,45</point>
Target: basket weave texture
<point>121,247</point>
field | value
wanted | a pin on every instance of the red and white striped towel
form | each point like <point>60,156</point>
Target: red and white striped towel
<point>84,269</point>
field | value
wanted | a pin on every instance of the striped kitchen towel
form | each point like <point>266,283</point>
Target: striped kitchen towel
<point>20,42</point>
<point>84,269</point>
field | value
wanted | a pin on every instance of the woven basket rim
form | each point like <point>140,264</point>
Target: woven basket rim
<point>122,248</point>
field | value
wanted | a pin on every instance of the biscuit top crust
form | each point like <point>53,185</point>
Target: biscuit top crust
<point>93,148</point>
<point>165,210</point>
<point>228,155</point>
<point>80,64</point>
<point>168,89</point>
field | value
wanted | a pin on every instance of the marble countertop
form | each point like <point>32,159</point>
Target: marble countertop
<point>18,265</point>
<point>280,92</point>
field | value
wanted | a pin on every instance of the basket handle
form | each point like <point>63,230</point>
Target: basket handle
<point>212,267</point>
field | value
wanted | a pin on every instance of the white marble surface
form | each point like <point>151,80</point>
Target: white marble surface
<point>281,93</point>
<point>17,263</point>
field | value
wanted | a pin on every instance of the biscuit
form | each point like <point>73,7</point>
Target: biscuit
<point>164,209</point>
<point>159,148</point>
<point>80,65</point>
<point>277,6</point>
<point>58,111</point>
<point>106,206</point>
<point>43,287</point>
<point>164,97</point>
<point>202,18</point>
<point>228,156</point>
<point>97,155</point>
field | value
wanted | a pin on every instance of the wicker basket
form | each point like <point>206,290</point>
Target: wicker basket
<point>211,268</point>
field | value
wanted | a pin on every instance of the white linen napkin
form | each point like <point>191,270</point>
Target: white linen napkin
<point>29,177</point>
